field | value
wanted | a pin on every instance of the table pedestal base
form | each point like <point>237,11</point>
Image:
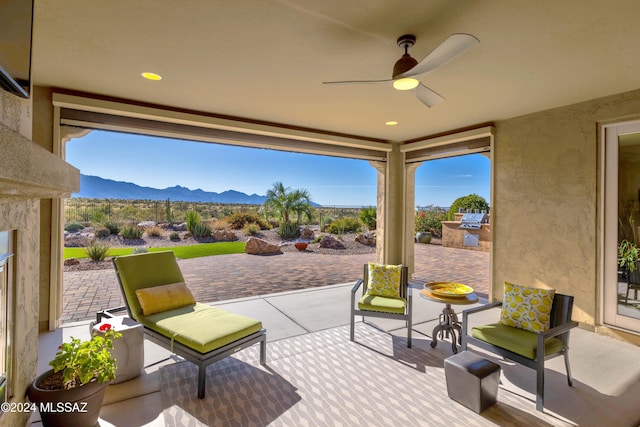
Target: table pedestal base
<point>447,327</point>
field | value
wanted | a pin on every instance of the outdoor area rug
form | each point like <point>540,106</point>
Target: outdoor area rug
<point>323,379</point>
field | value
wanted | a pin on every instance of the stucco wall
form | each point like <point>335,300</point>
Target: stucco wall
<point>22,214</point>
<point>545,204</point>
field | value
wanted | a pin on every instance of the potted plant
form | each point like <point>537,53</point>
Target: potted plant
<point>71,393</point>
<point>628,255</point>
<point>423,228</point>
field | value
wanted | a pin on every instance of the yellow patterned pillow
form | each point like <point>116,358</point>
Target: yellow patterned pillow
<point>526,308</point>
<point>384,280</point>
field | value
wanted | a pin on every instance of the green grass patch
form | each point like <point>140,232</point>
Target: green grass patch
<point>184,252</point>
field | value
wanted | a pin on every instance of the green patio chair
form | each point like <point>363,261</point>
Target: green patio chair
<point>524,347</point>
<point>372,304</point>
<point>156,296</point>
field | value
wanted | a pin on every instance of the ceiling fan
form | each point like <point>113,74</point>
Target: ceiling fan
<point>407,68</point>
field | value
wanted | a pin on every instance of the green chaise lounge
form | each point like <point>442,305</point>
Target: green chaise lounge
<point>156,296</point>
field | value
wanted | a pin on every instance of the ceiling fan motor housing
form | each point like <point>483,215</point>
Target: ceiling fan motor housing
<point>405,63</point>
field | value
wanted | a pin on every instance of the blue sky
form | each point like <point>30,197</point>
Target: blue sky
<point>161,163</point>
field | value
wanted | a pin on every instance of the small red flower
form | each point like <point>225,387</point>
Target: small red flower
<point>105,327</point>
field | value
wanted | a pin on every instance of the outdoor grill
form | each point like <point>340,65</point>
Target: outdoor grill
<point>473,221</point>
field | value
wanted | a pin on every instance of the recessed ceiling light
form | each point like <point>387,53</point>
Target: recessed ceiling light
<point>391,123</point>
<point>151,76</point>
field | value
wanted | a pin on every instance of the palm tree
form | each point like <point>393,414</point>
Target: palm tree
<point>285,202</point>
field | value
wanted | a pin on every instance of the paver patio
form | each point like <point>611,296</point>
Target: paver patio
<point>225,277</point>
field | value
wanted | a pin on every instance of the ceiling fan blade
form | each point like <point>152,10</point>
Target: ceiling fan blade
<point>351,82</point>
<point>453,46</point>
<point>427,96</point>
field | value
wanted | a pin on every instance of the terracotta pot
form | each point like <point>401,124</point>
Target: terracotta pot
<point>78,406</point>
<point>301,246</point>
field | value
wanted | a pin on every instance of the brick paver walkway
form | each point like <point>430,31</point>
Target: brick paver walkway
<point>224,277</point>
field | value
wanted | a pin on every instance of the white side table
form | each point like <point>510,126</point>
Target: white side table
<point>128,350</point>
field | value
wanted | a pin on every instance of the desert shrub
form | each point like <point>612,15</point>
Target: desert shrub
<point>154,231</point>
<point>97,251</point>
<point>73,227</point>
<point>132,231</point>
<point>345,225</point>
<point>317,239</point>
<point>430,220</point>
<point>200,229</point>
<point>251,229</point>
<point>368,217</point>
<point>289,230</point>
<point>102,232</point>
<point>239,220</point>
<point>193,218</point>
<point>113,227</point>
<point>174,236</point>
<point>219,224</point>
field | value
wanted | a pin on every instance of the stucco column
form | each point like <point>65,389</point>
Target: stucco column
<point>391,207</point>
<point>409,215</point>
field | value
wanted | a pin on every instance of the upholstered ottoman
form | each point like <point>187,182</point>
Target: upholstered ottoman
<point>472,381</point>
<point>128,350</point>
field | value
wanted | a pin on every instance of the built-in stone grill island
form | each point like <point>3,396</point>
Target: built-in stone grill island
<point>469,230</point>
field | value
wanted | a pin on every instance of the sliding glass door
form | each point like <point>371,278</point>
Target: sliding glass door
<point>620,215</point>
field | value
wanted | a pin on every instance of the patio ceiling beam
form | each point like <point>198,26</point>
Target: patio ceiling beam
<point>121,116</point>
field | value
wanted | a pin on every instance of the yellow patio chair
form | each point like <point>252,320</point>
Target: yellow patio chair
<point>156,296</point>
<point>385,293</point>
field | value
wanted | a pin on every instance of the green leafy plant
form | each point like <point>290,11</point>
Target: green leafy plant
<point>628,255</point>
<point>113,227</point>
<point>239,220</point>
<point>73,227</point>
<point>429,220</point>
<point>132,231</point>
<point>167,211</point>
<point>472,201</point>
<point>97,251</point>
<point>83,361</point>
<point>200,229</point>
<point>289,230</point>
<point>102,232</point>
<point>251,229</point>
<point>368,217</point>
<point>344,225</point>
<point>193,218</point>
<point>154,231</point>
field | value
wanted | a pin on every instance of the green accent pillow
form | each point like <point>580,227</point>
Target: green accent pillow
<point>384,280</point>
<point>526,308</point>
<point>157,299</point>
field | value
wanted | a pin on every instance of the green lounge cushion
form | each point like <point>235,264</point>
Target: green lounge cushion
<point>515,340</point>
<point>370,302</point>
<point>146,270</point>
<point>201,327</point>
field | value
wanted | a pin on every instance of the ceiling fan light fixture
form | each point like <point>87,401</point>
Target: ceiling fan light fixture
<point>407,83</point>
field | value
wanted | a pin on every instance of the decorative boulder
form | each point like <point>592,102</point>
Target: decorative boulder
<point>307,233</point>
<point>71,261</point>
<point>331,242</point>
<point>368,239</point>
<point>224,235</point>
<point>144,224</point>
<point>257,246</point>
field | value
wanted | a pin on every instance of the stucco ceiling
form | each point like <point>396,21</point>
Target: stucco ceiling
<point>266,60</point>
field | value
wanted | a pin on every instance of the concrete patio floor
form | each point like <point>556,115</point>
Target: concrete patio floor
<point>605,371</point>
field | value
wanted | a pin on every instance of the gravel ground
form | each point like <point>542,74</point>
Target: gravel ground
<point>348,240</point>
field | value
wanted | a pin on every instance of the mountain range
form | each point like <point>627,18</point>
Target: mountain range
<point>101,188</point>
